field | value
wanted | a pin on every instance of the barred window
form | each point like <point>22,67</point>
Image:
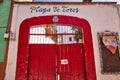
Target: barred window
<point>55,34</point>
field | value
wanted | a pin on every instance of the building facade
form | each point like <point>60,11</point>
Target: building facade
<point>61,41</point>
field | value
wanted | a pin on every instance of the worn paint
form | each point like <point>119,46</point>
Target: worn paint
<point>10,64</point>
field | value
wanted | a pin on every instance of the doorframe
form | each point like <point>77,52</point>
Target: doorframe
<point>23,43</point>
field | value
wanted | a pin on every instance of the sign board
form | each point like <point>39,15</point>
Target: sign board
<point>109,52</point>
<point>64,61</point>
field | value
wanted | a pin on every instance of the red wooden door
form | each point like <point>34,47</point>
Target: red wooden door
<point>71,62</point>
<point>48,61</point>
<point>42,62</point>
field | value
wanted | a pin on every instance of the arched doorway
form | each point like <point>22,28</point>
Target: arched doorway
<point>73,60</point>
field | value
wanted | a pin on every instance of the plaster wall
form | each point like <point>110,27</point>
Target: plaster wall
<point>101,17</point>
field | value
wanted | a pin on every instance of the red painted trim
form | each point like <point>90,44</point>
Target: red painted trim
<point>23,47</point>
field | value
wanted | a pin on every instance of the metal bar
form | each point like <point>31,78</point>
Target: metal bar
<point>56,34</point>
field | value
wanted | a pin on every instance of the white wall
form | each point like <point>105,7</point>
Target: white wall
<point>100,16</point>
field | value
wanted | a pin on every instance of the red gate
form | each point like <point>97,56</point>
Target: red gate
<point>52,61</point>
<point>42,62</point>
<point>47,62</point>
<point>73,68</point>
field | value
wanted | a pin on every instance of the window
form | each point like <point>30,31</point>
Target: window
<point>118,1</point>
<point>58,0</point>
<point>49,0</point>
<point>55,34</point>
<point>104,0</point>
